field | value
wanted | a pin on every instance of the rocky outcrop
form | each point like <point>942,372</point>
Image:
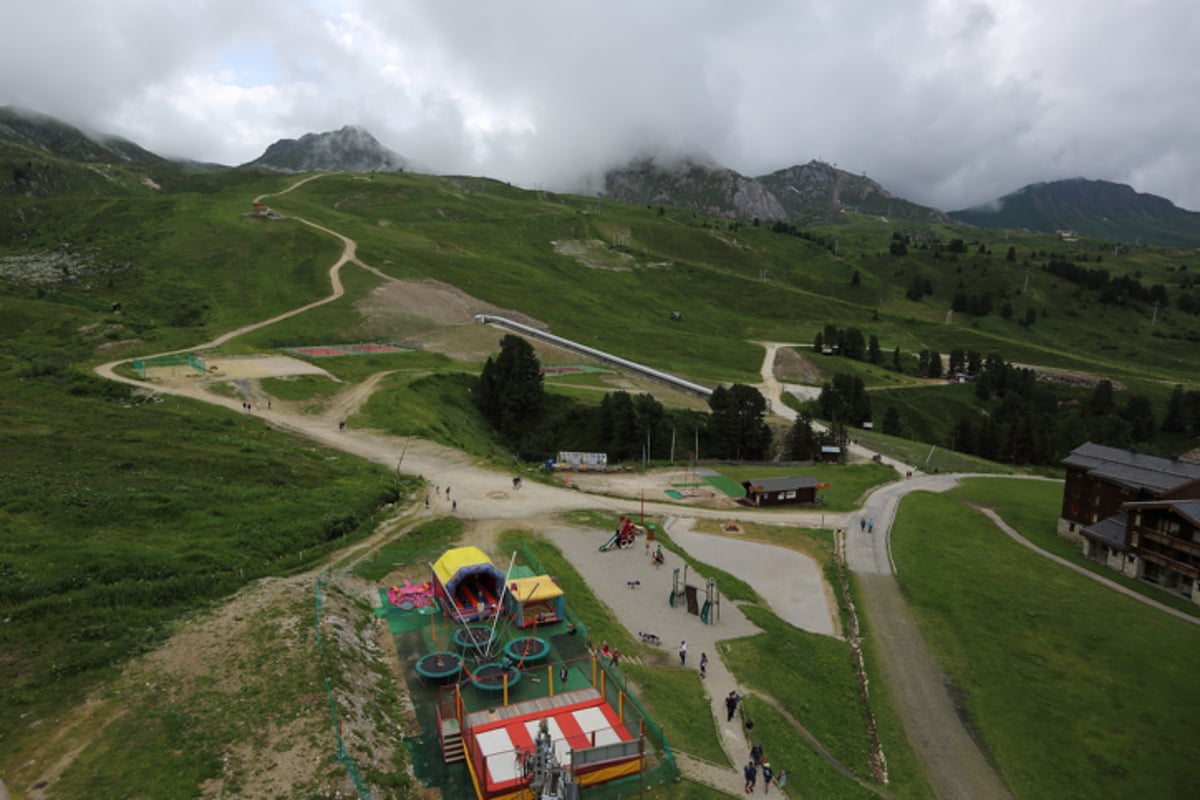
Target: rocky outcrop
<point>808,191</point>
<point>350,149</point>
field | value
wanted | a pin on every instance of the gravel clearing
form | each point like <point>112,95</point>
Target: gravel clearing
<point>789,581</point>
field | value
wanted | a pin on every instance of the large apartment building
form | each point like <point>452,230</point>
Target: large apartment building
<point>1137,513</point>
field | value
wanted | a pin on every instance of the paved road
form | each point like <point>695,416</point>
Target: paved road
<point>953,763</point>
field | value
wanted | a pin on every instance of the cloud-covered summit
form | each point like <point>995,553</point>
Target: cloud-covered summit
<point>948,104</point>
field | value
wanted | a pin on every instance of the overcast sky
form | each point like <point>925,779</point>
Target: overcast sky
<point>946,103</point>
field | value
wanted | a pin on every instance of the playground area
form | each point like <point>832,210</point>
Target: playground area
<point>507,694</point>
<point>190,367</point>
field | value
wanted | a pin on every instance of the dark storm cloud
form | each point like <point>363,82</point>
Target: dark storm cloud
<point>947,103</point>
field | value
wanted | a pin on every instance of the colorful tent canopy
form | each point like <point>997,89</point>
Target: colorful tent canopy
<point>461,562</point>
<point>531,590</point>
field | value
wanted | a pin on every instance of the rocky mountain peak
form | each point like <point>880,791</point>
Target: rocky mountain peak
<point>349,149</point>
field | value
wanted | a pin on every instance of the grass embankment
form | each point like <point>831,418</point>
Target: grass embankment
<point>812,676</point>
<point>1041,656</point>
<point>119,515</point>
<point>423,544</point>
<point>210,711</point>
<point>1025,505</point>
<point>928,457</point>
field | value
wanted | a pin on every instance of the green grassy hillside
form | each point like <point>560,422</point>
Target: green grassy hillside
<point>118,514</point>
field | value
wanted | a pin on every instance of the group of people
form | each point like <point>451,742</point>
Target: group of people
<point>437,490</point>
<point>757,763</point>
<point>867,525</point>
<point>611,653</point>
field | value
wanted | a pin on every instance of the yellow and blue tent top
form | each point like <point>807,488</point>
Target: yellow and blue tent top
<point>460,558</point>
<point>531,590</point>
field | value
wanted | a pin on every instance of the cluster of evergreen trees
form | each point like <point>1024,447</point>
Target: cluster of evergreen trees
<point>1020,420</point>
<point>1113,291</point>
<point>1025,422</point>
<point>511,396</point>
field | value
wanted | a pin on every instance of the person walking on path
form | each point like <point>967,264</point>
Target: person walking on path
<point>862,524</point>
<point>731,704</point>
<point>767,775</point>
<point>683,654</point>
<point>704,665</point>
<point>750,772</point>
<point>756,753</point>
<point>871,525</point>
<point>454,505</point>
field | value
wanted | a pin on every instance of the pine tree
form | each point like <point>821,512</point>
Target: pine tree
<point>509,391</point>
<point>737,425</point>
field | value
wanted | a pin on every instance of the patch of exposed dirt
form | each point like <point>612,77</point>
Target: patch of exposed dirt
<point>434,315</point>
<point>792,367</point>
<point>434,303</point>
<point>652,485</point>
<point>594,254</point>
<point>1070,377</point>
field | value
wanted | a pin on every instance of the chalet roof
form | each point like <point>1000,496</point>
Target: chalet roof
<point>1130,469</point>
<point>1110,531</point>
<point>1188,509</point>
<point>782,484</point>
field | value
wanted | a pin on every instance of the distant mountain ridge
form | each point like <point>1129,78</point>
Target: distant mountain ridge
<point>1100,209</point>
<point>350,149</point>
<point>66,141</point>
<point>811,191</point>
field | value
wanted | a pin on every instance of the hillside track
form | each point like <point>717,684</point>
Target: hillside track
<point>953,762</point>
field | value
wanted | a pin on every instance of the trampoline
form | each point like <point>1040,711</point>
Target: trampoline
<point>490,677</point>
<point>474,636</point>
<point>527,649</point>
<point>439,666</point>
